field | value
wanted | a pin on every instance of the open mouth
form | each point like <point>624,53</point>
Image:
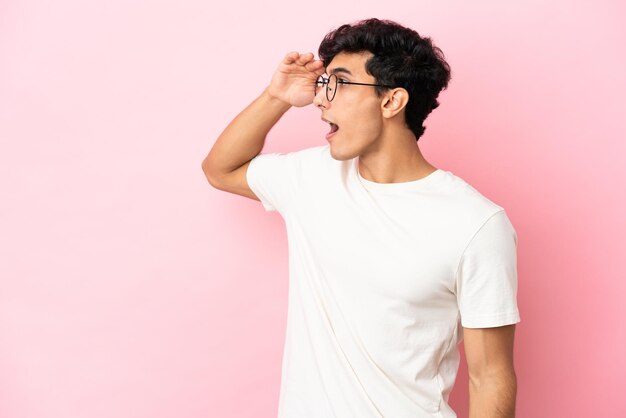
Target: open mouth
<point>333,128</point>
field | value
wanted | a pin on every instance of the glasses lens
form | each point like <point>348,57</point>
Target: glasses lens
<point>319,83</point>
<point>331,89</point>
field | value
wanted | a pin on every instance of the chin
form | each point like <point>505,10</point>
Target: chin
<point>339,154</point>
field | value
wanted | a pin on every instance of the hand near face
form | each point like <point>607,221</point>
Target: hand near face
<point>295,78</point>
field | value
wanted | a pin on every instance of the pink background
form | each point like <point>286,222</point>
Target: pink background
<point>131,288</point>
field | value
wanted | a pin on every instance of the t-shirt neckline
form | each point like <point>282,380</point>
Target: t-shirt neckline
<point>396,187</point>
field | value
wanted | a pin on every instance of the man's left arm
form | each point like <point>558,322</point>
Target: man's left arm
<point>493,383</point>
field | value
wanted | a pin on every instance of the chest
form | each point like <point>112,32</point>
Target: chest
<point>364,247</point>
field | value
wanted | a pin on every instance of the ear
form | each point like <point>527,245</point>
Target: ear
<point>394,101</point>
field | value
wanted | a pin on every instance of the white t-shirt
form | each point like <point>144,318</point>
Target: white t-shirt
<point>382,278</point>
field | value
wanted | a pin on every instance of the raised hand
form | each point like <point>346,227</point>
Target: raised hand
<point>294,79</point>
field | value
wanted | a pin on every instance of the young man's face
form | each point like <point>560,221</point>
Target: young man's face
<point>355,109</point>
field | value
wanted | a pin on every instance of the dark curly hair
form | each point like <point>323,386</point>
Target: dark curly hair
<point>401,58</point>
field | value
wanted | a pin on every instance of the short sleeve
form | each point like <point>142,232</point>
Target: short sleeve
<point>486,282</point>
<point>273,177</point>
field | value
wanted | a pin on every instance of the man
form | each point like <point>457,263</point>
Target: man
<point>393,261</point>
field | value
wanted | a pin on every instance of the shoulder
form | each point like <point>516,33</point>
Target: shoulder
<point>313,152</point>
<point>287,162</point>
<point>310,155</point>
<point>459,188</point>
<point>313,159</point>
<point>318,154</point>
<point>469,205</point>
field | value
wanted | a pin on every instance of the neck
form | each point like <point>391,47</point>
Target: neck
<point>394,159</point>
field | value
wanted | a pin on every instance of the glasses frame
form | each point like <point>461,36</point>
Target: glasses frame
<point>326,81</point>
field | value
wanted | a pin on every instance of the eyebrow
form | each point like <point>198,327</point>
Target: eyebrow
<point>341,70</point>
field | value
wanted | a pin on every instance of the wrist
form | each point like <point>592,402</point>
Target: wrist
<point>273,100</point>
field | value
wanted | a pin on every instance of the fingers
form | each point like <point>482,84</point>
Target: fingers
<point>305,58</point>
<point>296,57</point>
<point>315,66</point>
<point>291,57</point>
<point>302,59</point>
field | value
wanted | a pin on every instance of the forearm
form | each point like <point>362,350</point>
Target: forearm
<point>493,398</point>
<point>244,137</point>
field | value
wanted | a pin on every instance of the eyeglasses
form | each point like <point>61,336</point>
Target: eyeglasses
<point>331,85</point>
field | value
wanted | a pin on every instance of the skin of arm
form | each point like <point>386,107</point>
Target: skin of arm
<point>245,136</point>
<point>293,84</point>
<point>492,379</point>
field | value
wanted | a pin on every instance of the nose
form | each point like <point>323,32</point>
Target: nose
<point>320,99</point>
